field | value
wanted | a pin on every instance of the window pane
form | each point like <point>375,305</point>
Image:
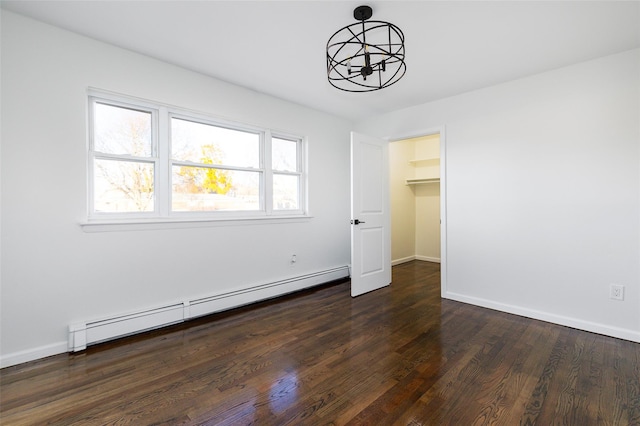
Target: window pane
<point>123,186</point>
<point>207,189</point>
<point>206,144</point>
<point>284,155</point>
<point>121,131</point>
<point>285,192</point>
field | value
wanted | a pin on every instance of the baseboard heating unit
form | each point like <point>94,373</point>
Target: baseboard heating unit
<point>83,334</point>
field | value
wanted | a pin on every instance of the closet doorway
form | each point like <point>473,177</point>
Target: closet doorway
<point>414,183</point>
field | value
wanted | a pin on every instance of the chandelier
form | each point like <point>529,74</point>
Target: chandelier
<point>365,56</point>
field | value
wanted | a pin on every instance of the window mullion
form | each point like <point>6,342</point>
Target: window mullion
<point>302,173</point>
<point>116,157</point>
<point>214,166</point>
<point>163,171</point>
<point>284,172</point>
<point>268,174</point>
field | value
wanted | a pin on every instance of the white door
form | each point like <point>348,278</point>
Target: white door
<point>370,217</point>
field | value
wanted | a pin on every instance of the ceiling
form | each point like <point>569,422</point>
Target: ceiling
<point>279,47</point>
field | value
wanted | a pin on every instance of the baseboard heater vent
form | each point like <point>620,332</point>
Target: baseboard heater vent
<point>87,333</point>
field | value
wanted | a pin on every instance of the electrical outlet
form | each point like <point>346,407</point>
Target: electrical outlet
<point>294,259</point>
<point>616,292</point>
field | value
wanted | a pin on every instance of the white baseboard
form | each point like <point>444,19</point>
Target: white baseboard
<point>233,299</point>
<point>86,333</point>
<point>428,259</point>
<point>415,257</point>
<point>402,260</point>
<point>32,354</point>
<point>82,334</point>
<point>620,333</point>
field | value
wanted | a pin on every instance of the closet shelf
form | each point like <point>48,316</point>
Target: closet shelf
<point>422,180</point>
<point>424,160</point>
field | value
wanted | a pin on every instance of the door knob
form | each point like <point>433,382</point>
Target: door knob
<point>356,222</point>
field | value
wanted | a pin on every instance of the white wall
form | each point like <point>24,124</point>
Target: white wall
<point>543,192</point>
<point>53,273</point>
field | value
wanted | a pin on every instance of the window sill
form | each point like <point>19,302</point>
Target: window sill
<point>116,225</point>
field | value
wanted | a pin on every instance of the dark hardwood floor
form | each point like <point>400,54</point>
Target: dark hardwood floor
<point>399,355</point>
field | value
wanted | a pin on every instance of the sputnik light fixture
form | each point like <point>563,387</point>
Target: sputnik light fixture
<point>367,55</point>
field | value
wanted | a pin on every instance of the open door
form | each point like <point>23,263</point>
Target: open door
<point>370,214</point>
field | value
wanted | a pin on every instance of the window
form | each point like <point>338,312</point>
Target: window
<point>214,168</point>
<point>285,161</point>
<point>124,159</point>
<point>154,161</point>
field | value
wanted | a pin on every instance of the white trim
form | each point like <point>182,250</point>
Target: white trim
<point>620,333</point>
<point>161,115</point>
<point>402,260</point>
<point>163,168</point>
<point>82,334</point>
<point>32,354</point>
<point>86,333</point>
<point>231,299</point>
<point>443,211</point>
<point>416,134</point>
<point>94,155</point>
<point>301,172</point>
<point>428,259</point>
<point>145,224</point>
<point>266,157</point>
<point>415,257</point>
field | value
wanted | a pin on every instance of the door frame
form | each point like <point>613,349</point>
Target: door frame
<point>443,192</point>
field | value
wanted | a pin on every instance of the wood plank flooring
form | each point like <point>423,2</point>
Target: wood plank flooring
<point>399,355</point>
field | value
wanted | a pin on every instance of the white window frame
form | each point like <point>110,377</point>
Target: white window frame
<point>161,115</point>
<point>203,119</point>
<point>299,166</point>
<point>93,155</point>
